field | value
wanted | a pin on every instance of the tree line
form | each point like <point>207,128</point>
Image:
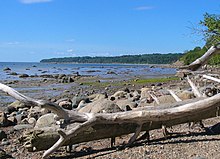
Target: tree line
<point>131,59</point>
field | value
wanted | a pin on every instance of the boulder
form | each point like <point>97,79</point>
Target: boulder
<point>165,99</point>
<point>145,92</point>
<point>185,95</point>
<point>76,100</point>
<point>101,106</point>
<point>46,120</point>
<point>124,103</point>
<point>120,94</point>
<point>94,97</point>
<point>17,104</point>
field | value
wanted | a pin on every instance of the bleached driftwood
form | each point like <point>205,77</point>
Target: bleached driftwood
<point>194,88</point>
<point>211,78</point>
<point>203,59</point>
<point>174,96</point>
<point>98,126</point>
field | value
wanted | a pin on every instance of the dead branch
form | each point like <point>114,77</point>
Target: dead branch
<point>195,65</point>
<point>211,78</point>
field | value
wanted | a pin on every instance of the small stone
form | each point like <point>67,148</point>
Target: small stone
<point>66,105</point>
<point>23,75</point>
<point>6,69</point>
<point>3,119</point>
<point>5,142</point>
<point>32,121</point>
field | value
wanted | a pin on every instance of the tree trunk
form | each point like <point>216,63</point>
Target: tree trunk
<point>117,124</point>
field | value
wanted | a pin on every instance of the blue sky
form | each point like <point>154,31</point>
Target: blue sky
<point>31,30</point>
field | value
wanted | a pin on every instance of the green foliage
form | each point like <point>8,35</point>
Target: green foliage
<point>192,55</point>
<point>197,52</point>
<point>132,59</point>
<point>211,31</point>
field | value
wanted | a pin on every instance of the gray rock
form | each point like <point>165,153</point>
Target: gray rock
<point>6,69</point>
<point>12,120</point>
<point>46,120</point>
<point>10,109</point>
<point>23,75</point>
<point>111,72</point>
<point>32,121</point>
<point>94,97</point>
<point>2,135</point>
<point>3,119</point>
<point>5,142</point>
<point>165,99</point>
<point>46,76</point>
<point>17,104</point>
<point>23,126</point>
<point>66,105</point>
<point>101,106</point>
<point>120,94</point>
<point>3,154</point>
<point>124,103</point>
<point>13,73</point>
<point>60,76</point>
<point>76,99</point>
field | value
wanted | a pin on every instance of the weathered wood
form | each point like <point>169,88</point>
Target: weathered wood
<point>211,78</point>
<point>45,139</point>
<point>174,96</point>
<point>194,88</point>
<point>195,65</point>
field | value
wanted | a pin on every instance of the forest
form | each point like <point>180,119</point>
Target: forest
<point>132,59</point>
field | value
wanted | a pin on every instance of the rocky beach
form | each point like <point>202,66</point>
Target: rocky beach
<point>84,93</point>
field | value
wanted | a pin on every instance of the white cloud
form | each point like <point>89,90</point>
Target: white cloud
<point>12,43</point>
<point>70,40</point>
<point>69,50</point>
<point>140,8</point>
<point>34,1</point>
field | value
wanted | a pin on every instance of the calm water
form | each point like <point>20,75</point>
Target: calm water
<point>120,70</point>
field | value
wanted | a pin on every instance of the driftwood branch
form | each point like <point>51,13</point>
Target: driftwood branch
<point>174,96</point>
<point>194,88</point>
<point>211,78</point>
<point>203,59</point>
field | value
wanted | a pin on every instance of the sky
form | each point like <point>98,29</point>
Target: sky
<point>31,30</point>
